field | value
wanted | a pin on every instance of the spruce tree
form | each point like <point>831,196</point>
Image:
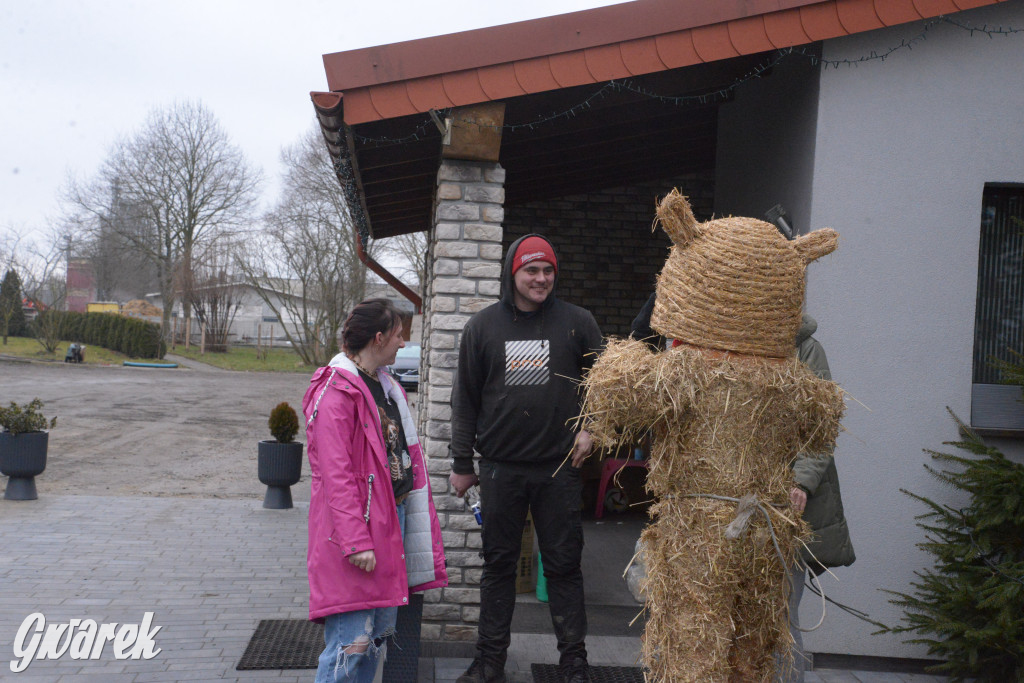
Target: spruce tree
<point>12,318</point>
<point>969,608</point>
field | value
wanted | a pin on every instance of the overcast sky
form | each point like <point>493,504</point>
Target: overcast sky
<point>76,75</point>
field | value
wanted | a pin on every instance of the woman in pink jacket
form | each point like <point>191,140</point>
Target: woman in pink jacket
<point>373,531</point>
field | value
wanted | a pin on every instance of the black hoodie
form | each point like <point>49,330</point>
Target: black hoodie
<point>516,390</point>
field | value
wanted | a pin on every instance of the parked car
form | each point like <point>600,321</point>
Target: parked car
<point>407,367</point>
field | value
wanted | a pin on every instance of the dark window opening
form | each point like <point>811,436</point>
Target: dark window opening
<point>999,317</point>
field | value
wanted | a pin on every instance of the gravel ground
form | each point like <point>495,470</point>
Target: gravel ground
<point>190,431</point>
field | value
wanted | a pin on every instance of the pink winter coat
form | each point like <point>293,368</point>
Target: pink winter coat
<point>352,503</point>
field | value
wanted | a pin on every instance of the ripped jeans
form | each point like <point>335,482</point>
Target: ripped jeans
<point>369,627</point>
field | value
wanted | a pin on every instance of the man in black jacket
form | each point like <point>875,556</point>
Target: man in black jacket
<point>514,399</point>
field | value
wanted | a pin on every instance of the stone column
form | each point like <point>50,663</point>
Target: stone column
<point>464,276</point>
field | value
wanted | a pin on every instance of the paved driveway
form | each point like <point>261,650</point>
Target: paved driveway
<point>142,431</point>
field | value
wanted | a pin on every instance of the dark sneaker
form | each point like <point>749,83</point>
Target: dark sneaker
<point>577,672</point>
<point>478,672</point>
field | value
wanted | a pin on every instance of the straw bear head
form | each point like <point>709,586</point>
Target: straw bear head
<point>733,284</point>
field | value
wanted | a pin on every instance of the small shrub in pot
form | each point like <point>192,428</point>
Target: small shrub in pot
<point>280,460</point>
<point>23,442</point>
<point>284,423</point>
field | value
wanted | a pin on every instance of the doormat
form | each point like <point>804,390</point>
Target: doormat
<point>548,673</point>
<point>297,644</point>
<point>283,644</point>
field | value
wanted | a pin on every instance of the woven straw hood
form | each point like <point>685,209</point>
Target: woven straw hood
<point>733,284</point>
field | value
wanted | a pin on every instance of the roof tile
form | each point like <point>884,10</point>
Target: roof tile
<point>931,8</point>
<point>534,75</point>
<point>605,63</point>
<point>428,93</point>
<point>893,12</point>
<point>391,100</point>
<point>749,36</point>
<point>821,22</point>
<point>358,107</point>
<point>857,16</point>
<point>570,68</point>
<point>499,81</point>
<point>463,87</point>
<point>676,49</point>
<point>712,42</point>
<point>784,29</point>
<point>641,56</point>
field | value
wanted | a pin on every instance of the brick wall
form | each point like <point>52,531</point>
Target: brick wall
<point>609,255</point>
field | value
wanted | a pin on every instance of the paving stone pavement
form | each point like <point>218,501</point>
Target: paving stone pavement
<point>209,570</point>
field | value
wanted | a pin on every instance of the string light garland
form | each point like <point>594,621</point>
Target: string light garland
<point>344,169</point>
<point>714,96</point>
<point>909,44</point>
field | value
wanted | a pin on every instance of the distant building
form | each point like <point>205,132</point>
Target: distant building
<point>255,318</point>
<point>81,285</point>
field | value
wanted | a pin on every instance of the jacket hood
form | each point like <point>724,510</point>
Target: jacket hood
<point>808,326</point>
<point>508,286</point>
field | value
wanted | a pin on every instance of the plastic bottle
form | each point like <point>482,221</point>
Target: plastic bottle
<point>473,502</point>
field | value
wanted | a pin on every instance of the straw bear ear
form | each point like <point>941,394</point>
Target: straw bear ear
<point>816,244</point>
<point>677,219</point>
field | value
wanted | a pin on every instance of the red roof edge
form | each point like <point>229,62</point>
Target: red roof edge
<point>534,38</point>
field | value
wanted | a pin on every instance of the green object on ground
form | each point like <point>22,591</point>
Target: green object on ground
<point>542,583</point>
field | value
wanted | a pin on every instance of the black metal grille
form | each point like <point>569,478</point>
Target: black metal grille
<point>283,644</point>
<point>548,673</point>
<point>297,644</point>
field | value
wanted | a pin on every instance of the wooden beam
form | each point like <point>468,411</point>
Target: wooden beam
<point>474,133</point>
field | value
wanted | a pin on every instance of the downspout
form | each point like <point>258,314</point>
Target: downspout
<point>386,275</point>
<point>338,138</point>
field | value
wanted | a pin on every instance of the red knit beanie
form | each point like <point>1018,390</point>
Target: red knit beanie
<point>533,248</point>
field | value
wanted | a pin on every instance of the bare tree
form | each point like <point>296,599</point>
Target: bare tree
<point>171,190</point>
<point>45,285</point>
<point>12,245</point>
<point>304,264</point>
<point>410,250</point>
<point>214,295</point>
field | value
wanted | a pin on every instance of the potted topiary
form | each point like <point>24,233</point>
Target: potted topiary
<point>23,448</point>
<point>280,459</point>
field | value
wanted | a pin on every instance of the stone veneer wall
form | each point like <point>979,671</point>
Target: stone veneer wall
<point>609,255</point>
<point>464,272</point>
<point>609,258</point>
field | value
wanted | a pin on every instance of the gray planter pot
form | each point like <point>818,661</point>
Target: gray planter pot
<point>22,457</point>
<point>279,467</point>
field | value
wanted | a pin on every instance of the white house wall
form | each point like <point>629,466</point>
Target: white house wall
<point>766,144</point>
<point>902,150</point>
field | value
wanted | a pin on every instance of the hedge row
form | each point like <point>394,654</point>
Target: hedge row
<point>132,337</point>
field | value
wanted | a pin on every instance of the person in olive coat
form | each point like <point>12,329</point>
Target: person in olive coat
<point>817,496</point>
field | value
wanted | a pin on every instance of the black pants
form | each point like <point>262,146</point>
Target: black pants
<point>507,492</point>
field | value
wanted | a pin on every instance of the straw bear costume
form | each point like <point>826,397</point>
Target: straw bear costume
<point>728,408</point>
